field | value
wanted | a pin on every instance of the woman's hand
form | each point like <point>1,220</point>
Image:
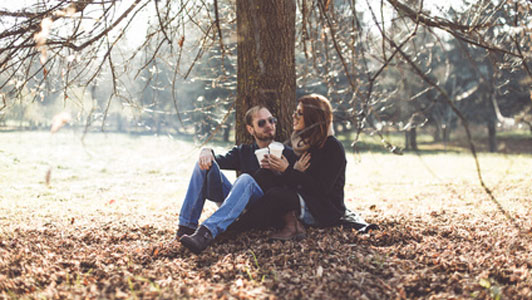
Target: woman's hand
<point>303,162</point>
<point>275,163</point>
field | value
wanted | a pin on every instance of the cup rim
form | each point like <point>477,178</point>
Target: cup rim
<point>276,144</point>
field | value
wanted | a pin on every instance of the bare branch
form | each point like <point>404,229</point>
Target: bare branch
<point>465,124</point>
<point>217,21</point>
<point>338,51</point>
<point>106,31</point>
<point>457,30</point>
<point>161,25</point>
<point>3,101</point>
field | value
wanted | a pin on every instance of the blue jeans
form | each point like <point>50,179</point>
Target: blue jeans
<point>304,214</point>
<point>213,184</point>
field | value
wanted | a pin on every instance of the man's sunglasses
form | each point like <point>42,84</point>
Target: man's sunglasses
<point>262,122</point>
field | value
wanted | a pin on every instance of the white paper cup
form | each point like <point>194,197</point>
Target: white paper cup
<point>276,149</point>
<point>259,153</point>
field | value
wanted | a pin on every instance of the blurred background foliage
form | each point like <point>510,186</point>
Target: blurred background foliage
<point>169,68</point>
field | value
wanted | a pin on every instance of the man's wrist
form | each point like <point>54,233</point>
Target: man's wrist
<point>207,151</point>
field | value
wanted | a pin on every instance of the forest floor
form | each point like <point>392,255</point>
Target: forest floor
<point>97,219</point>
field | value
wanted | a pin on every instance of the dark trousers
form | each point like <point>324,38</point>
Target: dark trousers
<point>268,210</point>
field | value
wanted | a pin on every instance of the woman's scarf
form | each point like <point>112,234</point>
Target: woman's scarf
<point>299,145</point>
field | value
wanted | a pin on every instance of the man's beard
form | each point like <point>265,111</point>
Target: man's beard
<point>268,137</point>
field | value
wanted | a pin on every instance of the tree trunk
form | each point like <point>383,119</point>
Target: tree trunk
<point>446,135</point>
<point>158,125</point>
<point>119,123</point>
<point>437,133</point>
<point>226,130</point>
<point>492,135</point>
<point>410,139</point>
<point>407,140</point>
<point>266,62</point>
<point>413,139</point>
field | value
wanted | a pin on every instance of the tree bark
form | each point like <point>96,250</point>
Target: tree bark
<point>446,135</point>
<point>266,62</point>
<point>529,126</point>
<point>437,133</point>
<point>411,139</point>
<point>407,139</point>
<point>492,130</point>
<point>226,131</point>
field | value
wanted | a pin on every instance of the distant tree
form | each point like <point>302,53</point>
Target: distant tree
<point>343,47</point>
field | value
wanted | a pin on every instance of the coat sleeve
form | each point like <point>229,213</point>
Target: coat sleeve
<point>231,160</point>
<point>321,179</point>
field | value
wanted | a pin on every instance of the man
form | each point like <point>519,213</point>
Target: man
<point>208,182</point>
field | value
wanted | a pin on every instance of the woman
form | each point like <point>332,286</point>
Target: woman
<point>313,189</point>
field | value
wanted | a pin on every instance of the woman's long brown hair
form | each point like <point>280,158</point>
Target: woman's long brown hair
<point>317,115</point>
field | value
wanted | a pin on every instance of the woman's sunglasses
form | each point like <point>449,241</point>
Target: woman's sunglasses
<point>297,114</point>
<point>262,122</point>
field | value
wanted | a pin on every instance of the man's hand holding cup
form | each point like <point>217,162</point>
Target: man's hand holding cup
<point>279,164</point>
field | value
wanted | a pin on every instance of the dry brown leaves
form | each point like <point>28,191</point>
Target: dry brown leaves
<point>437,256</point>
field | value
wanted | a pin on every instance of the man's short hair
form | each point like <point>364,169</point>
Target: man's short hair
<point>251,112</point>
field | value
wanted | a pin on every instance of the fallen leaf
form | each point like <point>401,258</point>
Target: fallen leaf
<point>48,176</point>
<point>239,282</point>
<point>319,271</point>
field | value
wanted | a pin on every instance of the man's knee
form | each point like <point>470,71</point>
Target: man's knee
<point>245,182</point>
<point>214,168</point>
<point>245,178</point>
<point>197,168</point>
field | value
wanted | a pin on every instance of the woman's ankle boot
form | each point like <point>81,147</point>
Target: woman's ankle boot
<point>290,230</point>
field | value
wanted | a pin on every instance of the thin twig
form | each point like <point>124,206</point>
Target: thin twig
<point>217,21</point>
<point>335,43</point>
<point>4,102</point>
<point>465,124</point>
<point>161,26</point>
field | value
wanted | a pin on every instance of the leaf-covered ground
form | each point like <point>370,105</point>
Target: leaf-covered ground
<point>103,228</point>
